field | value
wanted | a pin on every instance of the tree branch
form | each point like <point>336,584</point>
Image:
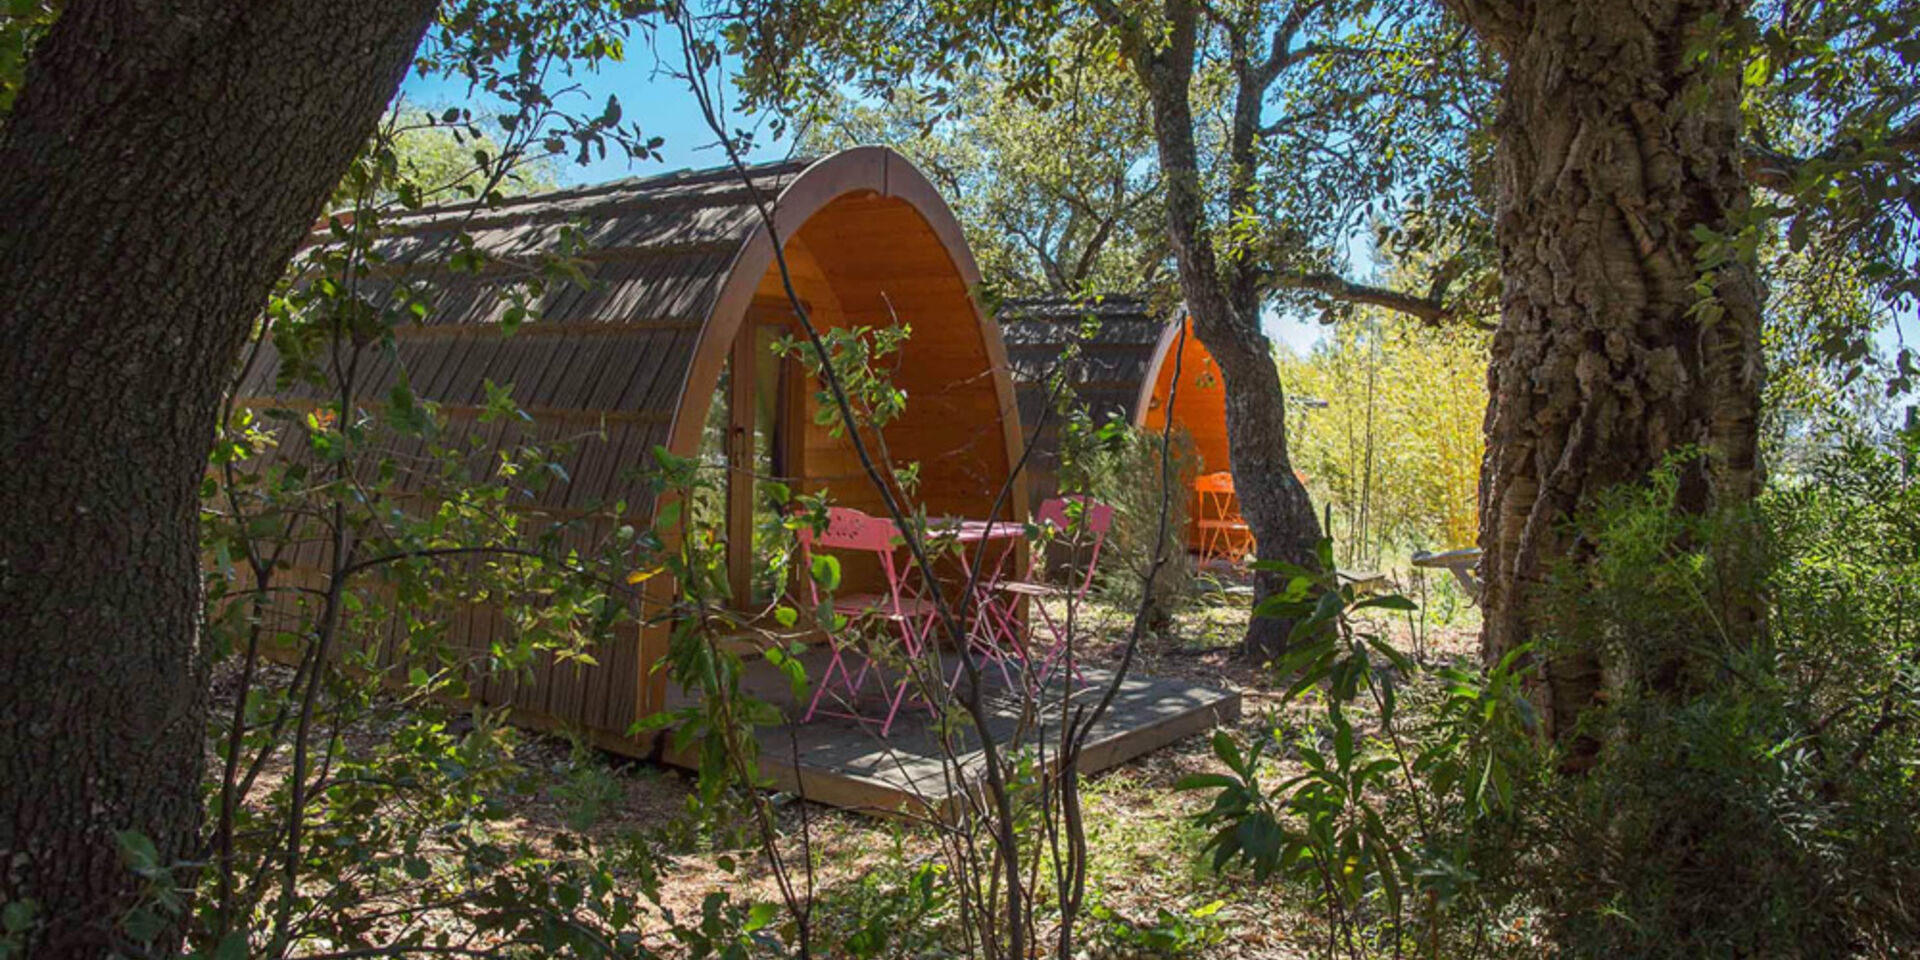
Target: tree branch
<point>1282,55</point>
<point>1777,170</point>
<point>1430,308</point>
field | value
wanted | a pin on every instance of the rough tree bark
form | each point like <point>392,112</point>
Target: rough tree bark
<point>1616,142</point>
<point>1224,300</point>
<point>156,173</point>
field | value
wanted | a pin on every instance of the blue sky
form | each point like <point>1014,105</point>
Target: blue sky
<point>659,103</point>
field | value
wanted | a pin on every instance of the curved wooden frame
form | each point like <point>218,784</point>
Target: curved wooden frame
<point>1211,443</point>
<point>873,171</point>
<point>1195,353</point>
<point>862,169</point>
<point>1148,383</point>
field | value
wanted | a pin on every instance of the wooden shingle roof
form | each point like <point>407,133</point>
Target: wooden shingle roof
<point>604,363</point>
<point>1107,375</point>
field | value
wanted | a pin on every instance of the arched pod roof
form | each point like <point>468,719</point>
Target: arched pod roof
<point>674,264</point>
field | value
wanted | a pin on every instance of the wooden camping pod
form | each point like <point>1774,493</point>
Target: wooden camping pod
<point>1199,409</point>
<point>1125,369</point>
<point>669,340</point>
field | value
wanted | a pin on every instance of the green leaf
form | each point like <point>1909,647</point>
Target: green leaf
<point>1228,752</point>
<point>668,516</point>
<point>17,915</point>
<point>759,916</point>
<point>1400,661</point>
<point>143,925</point>
<point>826,571</point>
<point>137,850</point>
<point>233,946</point>
<point>1391,601</point>
<point>1205,781</point>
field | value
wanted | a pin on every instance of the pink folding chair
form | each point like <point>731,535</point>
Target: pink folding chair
<point>909,616</point>
<point>1093,520</point>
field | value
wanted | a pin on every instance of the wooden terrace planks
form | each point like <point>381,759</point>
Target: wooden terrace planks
<point>846,764</point>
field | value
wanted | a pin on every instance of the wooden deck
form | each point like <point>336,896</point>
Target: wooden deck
<point>846,763</point>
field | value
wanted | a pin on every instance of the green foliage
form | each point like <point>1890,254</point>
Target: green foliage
<point>1747,782</point>
<point>858,358</point>
<point>1120,465</point>
<point>1333,829</point>
<point>1754,780</point>
<point>588,790</point>
<point>437,161</point>
<point>1395,451</point>
<point>1832,121</point>
<point>1371,121</point>
<point>22,24</point>
<point>1171,933</point>
<point>902,909</point>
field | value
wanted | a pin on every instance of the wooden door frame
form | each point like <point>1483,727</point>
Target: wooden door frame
<point>742,408</point>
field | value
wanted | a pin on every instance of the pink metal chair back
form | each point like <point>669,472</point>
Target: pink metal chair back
<point>850,529</point>
<point>1096,519</point>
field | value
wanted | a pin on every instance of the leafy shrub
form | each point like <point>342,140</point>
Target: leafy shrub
<point>1121,465</point>
<point>1754,789</point>
<point>1750,788</point>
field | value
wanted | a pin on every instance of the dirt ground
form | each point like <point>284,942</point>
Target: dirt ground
<point>1150,891</point>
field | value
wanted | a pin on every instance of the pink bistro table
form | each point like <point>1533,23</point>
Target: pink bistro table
<point>973,536</point>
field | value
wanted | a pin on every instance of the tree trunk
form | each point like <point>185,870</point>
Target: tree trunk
<point>156,173</point>
<point>1617,142</point>
<point>1271,496</point>
<point>1224,301</point>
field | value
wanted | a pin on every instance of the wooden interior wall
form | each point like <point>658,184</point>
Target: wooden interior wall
<point>1199,408</point>
<point>888,266</point>
<point>873,261</point>
<point>826,463</point>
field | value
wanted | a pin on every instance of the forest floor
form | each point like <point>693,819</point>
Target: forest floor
<point>1150,891</point>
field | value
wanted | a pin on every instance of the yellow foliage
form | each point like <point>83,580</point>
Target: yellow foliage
<point>1395,452</point>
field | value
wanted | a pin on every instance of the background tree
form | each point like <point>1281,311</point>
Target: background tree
<point>435,159</point>
<point>1056,198</point>
<point>1260,196</point>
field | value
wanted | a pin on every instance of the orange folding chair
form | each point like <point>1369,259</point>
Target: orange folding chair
<point>1224,534</point>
